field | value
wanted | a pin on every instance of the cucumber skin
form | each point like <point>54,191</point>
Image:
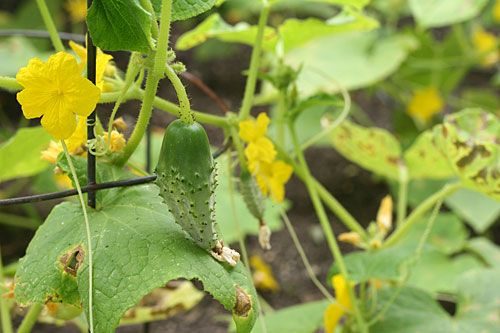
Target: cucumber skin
<point>186,177</point>
<point>252,195</point>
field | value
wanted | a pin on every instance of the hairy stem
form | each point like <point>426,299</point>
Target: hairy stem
<point>402,195</point>
<point>49,24</point>
<point>31,317</point>
<point>254,65</point>
<point>327,229</point>
<point>87,229</point>
<point>184,105</point>
<point>420,211</point>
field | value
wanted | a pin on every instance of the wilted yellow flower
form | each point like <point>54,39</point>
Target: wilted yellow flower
<point>486,44</point>
<point>57,91</point>
<point>384,215</point>
<point>102,62</point>
<point>77,10</point>
<point>262,275</point>
<point>350,237</point>
<point>117,141</point>
<point>259,147</point>
<point>272,177</point>
<point>335,311</point>
<point>119,124</point>
<point>425,103</point>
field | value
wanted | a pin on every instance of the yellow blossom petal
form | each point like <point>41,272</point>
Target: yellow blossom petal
<point>384,215</point>
<point>262,275</point>
<point>79,137</point>
<point>251,130</point>
<point>272,177</point>
<point>486,44</point>
<point>425,103</point>
<point>261,149</point>
<point>333,313</point>
<point>51,153</point>
<point>496,11</point>
<point>65,94</point>
<point>77,10</point>
<point>261,125</point>
<point>102,62</point>
<point>117,141</point>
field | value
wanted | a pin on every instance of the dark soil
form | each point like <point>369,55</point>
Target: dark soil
<point>354,188</point>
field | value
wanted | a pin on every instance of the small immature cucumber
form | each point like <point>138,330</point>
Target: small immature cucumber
<point>252,194</point>
<point>186,177</point>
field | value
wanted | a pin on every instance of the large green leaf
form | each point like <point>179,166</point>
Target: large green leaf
<point>438,13</point>
<point>415,311</point>
<point>478,210</point>
<point>184,9</point>
<point>20,156</point>
<point>469,140</point>
<point>16,52</point>
<point>303,318</point>
<point>352,60</point>
<point>372,148</point>
<point>485,248</point>
<point>120,25</point>
<point>215,27</point>
<point>355,3</point>
<point>423,154</point>
<point>136,247</point>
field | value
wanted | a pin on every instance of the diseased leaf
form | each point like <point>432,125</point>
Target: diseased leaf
<point>437,13</point>
<point>372,148</point>
<point>136,247</point>
<point>120,25</point>
<point>184,9</point>
<point>425,160</point>
<point>328,62</point>
<point>20,156</point>
<point>469,140</point>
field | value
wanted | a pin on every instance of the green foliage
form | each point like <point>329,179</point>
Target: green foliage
<point>486,249</point>
<point>136,247</point>
<point>372,148</point>
<point>355,3</point>
<point>435,13</point>
<point>328,62</point>
<point>15,52</point>
<point>20,155</point>
<point>184,9</point>
<point>120,25</point>
<point>416,311</point>
<point>478,210</point>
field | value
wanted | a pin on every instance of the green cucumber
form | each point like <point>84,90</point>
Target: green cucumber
<point>252,194</point>
<point>186,177</point>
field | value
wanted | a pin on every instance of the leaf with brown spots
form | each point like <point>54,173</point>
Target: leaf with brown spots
<point>372,148</point>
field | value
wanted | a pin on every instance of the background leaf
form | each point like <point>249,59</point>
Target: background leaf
<point>136,248</point>
<point>372,148</point>
<point>184,9</point>
<point>437,13</point>
<point>20,156</point>
<point>488,251</point>
<point>119,25</point>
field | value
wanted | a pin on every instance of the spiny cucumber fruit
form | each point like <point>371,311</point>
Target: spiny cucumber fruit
<point>186,177</point>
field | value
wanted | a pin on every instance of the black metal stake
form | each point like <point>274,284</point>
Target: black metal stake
<point>91,75</point>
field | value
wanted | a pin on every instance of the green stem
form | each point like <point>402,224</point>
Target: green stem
<point>161,53</point>
<point>327,229</point>
<point>31,317</point>
<point>184,105</point>
<point>254,65</point>
<point>419,211</point>
<point>239,147</point>
<point>403,194</point>
<point>10,83</point>
<point>49,24</point>
<point>132,71</point>
<point>4,307</point>
<point>87,229</point>
<point>282,102</point>
<point>154,26</point>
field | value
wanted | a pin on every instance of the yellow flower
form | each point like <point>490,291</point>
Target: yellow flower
<point>77,10</point>
<point>384,215</point>
<point>335,311</point>
<point>486,44</point>
<point>496,11</point>
<point>259,147</point>
<point>262,275</point>
<point>57,91</point>
<point>425,103</point>
<point>102,62</point>
<point>75,143</point>
<point>272,177</point>
<point>117,142</point>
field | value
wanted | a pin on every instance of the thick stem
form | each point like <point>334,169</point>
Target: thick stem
<point>49,24</point>
<point>254,65</point>
<point>420,211</point>
<point>327,229</point>
<point>154,26</point>
<point>10,83</point>
<point>282,103</point>
<point>402,195</point>
<point>31,317</point>
<point>161,53</point>
<point>239,147</point>
<point>4,307</point>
